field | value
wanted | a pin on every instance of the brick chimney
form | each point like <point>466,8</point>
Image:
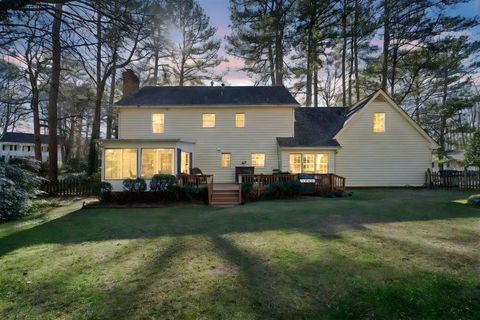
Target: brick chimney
<point>131,82</point>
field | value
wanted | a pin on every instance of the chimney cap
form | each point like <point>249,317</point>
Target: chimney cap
<point>223,84</point>
<point>211,83</point>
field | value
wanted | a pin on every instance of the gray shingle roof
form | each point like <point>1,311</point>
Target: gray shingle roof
<point>203,95</point>
<point>20,137</point>
<point>316,127</point>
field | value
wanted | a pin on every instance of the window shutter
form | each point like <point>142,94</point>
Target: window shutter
<point>179,160</point>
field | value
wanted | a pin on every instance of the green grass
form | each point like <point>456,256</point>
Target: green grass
<point>381,254</point>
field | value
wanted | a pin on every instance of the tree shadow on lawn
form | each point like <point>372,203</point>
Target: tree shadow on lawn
<point>326,219</point>
<point>335,286</point>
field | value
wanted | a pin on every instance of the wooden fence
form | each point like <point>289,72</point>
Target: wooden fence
<point>73,187</point>
<point>450,179</point>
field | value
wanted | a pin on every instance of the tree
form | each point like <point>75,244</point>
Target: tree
<point>195,53</point>
<point>262,37</point>
<point>472,151</point>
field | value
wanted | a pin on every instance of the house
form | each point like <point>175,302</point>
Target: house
<point>221,129</point>
<point>22,145</point>
<point>454,160</point>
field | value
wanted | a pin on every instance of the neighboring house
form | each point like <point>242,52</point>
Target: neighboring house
<point>21,145</point>
<point>172,129</point>
<point>454,161</point>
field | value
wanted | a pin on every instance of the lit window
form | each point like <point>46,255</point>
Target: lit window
<point>378,122</point>
<point>120,163</point>
<point>258,159</point>
<point>158,123</point>
<point>240,120</point>
<point>156,161</point>
<point>185,162</point>
<point>226,160</point>
<point>308,163</point>
<point>295,163</point>
<point>208,120</point>
<point>321,163</point>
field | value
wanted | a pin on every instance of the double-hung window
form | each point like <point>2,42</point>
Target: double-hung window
<point>158,123</point>
<point>258,160</point>
<point>379,122</point>
<point>208,120</point>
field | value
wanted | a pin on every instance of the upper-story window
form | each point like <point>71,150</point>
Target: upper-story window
<point>158,123</point>
<point>240,120</point>
<point>208,120</point>
<point>379,122</point>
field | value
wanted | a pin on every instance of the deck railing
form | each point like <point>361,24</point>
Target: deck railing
<point>266,179</point>
<point>329,182</point>
<point>197,181</point>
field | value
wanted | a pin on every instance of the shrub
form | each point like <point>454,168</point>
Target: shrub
<point>163,183</point>
<point>189,193</point>
<point>284,189</point>
<point>134,185</point>
<point>105,190</point>
<point>75,165</point>
<point>247,191</point>
<point>17,187</point>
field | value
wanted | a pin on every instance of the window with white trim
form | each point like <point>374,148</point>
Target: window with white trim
<point>308,163</point>
<point>185,162</point>
<point>226,160</point>
<point>258,160</point>
<point>158,123</point>
<point>120,163</point>
<point>295,163</point>
<point>240,120</point>
<point>156,161</point>
<point>208,120</point>
<point>379,122</point>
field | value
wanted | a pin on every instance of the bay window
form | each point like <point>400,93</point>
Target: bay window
<point>120,163</point>
<point>308,163</point>
<point>156,161</point>
<point>295,163</point>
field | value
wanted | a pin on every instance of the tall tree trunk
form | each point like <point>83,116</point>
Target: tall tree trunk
<point>443,123</point>
<point>344,53</point>
<point>93,154</point>
<point>279,57</point>
<point>386,42</point>
<point>315,85</point>
<point>36,124</point>
<point>308,83</point>
<point>111,99</point>
<point>271,65</point>
<point>156,58</point>
<point>350,74</point>
<point>53,94</point>
<point>393,72</point>
<point>355,50</point>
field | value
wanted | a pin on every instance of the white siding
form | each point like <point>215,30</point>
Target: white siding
<point>398,157</point>
<point>262,126</point>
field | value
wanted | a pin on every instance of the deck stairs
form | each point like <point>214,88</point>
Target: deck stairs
<point>226,194</point>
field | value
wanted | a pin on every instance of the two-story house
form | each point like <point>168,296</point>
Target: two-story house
<point>218,128</point>
<point>22,145</point>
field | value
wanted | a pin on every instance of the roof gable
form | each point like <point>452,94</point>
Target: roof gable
<point>362,105</point>
<point>209,96</point>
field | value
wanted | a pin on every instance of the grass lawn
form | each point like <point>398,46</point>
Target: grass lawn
<point>381,254</point>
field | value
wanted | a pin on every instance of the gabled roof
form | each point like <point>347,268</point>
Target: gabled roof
<point>20,137</point>
<point>319,127</point>
<point>210,96</point>
<point>360,106</point>
<point>316,127</point>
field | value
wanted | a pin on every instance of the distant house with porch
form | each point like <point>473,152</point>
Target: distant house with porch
<point>224,130</point>
<point>22,145</point>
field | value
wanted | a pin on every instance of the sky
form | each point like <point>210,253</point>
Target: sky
<point>218,11</point>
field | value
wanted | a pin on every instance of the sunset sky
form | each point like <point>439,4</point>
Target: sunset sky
<point>218,11</point>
